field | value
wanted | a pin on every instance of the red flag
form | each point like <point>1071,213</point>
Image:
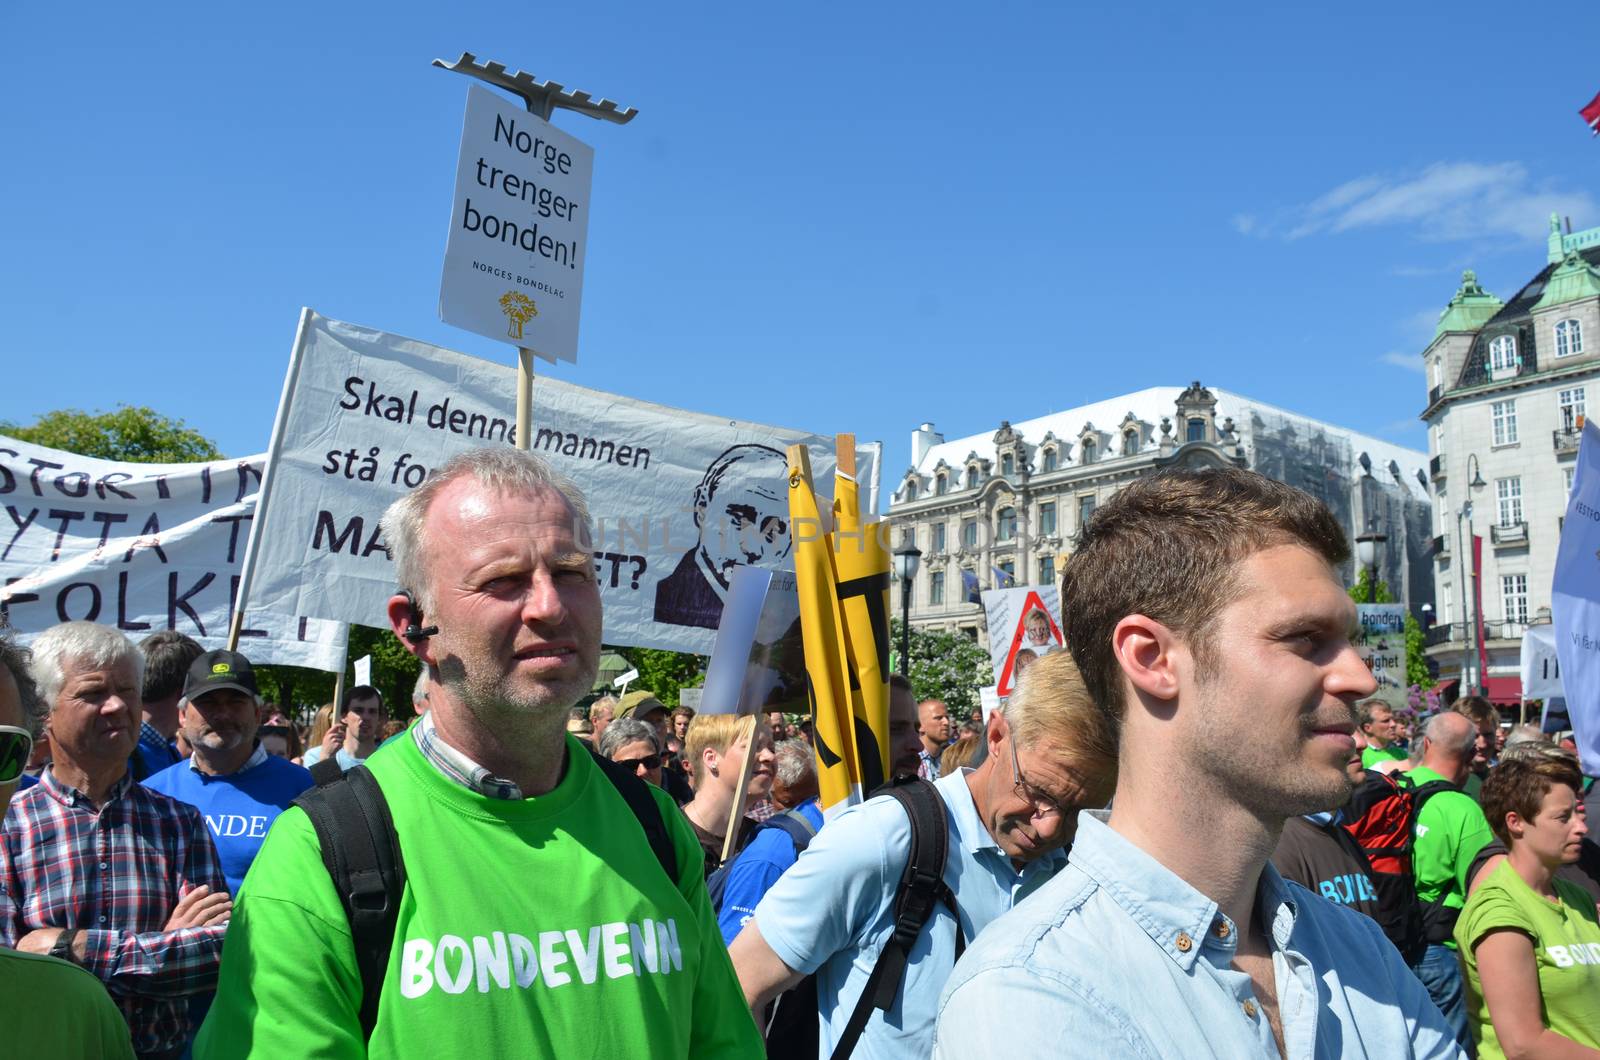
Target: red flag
<point>1591,114</point>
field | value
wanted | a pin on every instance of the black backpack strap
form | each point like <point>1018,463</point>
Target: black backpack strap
<point>324,771</point>
<point>922,886</point>
<point>636,793</point>
<point>362,855</point>
<point>1438,919</point>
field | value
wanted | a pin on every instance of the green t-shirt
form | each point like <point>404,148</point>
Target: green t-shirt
<point>1451,829</point>
<point>535,928</point>
<point>1566,950</point>
<point>1371,756</point>
<point>59,1011</point>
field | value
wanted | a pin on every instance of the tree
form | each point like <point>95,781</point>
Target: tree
<point>662,672</point>
<point>132,433</point>
<point>947,666</point>
<point>394,673</point>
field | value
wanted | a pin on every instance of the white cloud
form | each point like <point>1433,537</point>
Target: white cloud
<point>1411,362</point>
<point>1446,201</point>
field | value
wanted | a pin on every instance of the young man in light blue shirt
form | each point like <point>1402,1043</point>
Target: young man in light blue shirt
<point>1206,613</point>
<point>1050,753</point>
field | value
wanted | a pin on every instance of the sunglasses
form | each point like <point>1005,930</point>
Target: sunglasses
<point>16,746</point>
<point>648,761</point>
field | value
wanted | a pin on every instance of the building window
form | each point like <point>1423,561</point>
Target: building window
<point>941,485</point>
<point>1047,570</point>
<point>1569,338</point>
<point>1566,476</point>
<point>1571,403</point>
<point>1130,443</point>
<point>1005,524</point>
<point>1438,371</point>
<point>1508,492</point>
<point>1195,430</point>
<point>1445,614</point>
<point>1088,450</point>
<point>1008,465</point>
<point>908,537</point>
<point>1047,518</point>
<point>1049,459</point>
<point>1514,597</point>
<point>972,478</point>
<point>936,588</point>
<point>1009,570</point>
<point>1505,422</point>
<point>938,537</point>
<point>969,533</point>
<point>1502,356</point>
<point>1085,510</point>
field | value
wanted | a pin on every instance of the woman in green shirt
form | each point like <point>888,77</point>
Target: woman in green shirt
<point>1530,943</point>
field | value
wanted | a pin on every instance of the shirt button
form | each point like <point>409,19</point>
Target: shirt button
<point>102,866</point>
<point>1250,1009</point>
<point>1223,931</point>
<point>1184,943</point>
<point>102,920</point>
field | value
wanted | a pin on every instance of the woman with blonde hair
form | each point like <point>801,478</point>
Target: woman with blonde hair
<point>1530,942</point>
<point>319,728</point>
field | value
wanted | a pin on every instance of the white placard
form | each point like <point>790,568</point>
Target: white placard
<point>679,500</point>
<point>1575,601</point>
<point>1023,625</point>
<point>519,224</point>
<point>622,680</point>
<point>1382,646</point>
<point>363,668</point>
<point>141,547</point>
<point>1541,666</point>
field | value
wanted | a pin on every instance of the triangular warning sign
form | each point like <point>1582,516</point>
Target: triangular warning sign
<point>1029,606</point>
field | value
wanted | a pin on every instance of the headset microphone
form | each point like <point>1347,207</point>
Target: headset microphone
<point>416,632</point>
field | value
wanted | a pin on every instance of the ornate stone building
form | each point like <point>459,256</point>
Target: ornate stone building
<point>1507,389</point>
<point>992,507</point>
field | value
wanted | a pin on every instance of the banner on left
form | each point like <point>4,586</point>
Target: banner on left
<point>141,547</point>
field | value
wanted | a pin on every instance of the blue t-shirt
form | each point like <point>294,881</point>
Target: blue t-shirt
<point>239,807</point>
<point>757,868</point>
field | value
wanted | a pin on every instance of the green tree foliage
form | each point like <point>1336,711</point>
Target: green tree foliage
<point>394,673</point>
<point>947,666</point>
<point>135,434</point>
<point>664,672</point>
<point>1361,591</point>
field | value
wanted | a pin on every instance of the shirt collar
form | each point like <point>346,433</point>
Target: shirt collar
<point>65,793</point>
<point>1176,916</point>
<point>151,735</point>
<point>257,756</point>
<point>457,766</point>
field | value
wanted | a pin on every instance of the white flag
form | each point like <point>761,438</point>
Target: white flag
<point>1575,601</point>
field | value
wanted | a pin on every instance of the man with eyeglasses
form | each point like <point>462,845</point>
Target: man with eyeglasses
<point>1009,821</point>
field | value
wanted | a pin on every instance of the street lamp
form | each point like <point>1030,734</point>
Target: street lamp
<point>907,558</point>
<point>1471,641</point>
<point>1367,546</point>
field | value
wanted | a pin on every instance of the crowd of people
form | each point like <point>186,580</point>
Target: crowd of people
<point>1193,833</point>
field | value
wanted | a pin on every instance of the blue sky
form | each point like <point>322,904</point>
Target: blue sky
<point>833,217</point>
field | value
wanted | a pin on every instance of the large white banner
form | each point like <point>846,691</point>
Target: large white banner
<point>679,499</point>
<point>1575,600</point>
<point>1022,626</point>
<point>142,547</point>
<point>1541,666</point>
<point>513,263</point>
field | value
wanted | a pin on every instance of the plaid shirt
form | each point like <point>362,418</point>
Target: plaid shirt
<point>117,871</point>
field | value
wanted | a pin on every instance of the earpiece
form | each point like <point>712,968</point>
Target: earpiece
<point>416,632</point>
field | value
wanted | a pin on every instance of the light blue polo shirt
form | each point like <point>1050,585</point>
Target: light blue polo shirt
<point>833,911</point>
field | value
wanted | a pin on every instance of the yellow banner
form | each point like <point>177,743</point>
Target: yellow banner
<point>822,632</point>
<point>861,565</point>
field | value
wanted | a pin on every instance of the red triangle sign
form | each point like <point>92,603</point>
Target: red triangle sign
<point>1033,602</point>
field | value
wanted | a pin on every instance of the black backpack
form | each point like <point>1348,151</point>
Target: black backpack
<point>922,887</point>
<point>792,822</point>
<point>362,854</point>
<point>1381,817</point>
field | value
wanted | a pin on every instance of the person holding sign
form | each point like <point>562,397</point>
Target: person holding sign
<point>544,903</point>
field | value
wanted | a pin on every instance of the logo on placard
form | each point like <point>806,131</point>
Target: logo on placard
<point>519,309</point>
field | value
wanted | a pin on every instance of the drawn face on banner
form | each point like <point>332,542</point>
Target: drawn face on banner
<point>1038,628</point>
<point>742,511</point>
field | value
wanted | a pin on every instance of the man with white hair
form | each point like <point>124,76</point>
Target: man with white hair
<point>528,908</point>
<point>99,870</point>
<point>1450,830</point>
